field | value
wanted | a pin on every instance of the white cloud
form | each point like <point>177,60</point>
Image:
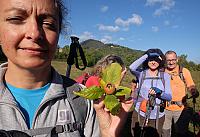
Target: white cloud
<point>165,5</point>
<point>155,28</point>
<point>153,2</point>
<point>108,28</point>
<point>175,26</point>
<point>135,20</point>
<point>126,29</point>
<point>121,39</point>
<point>166,23</point>
<point>106,39</point>
<point>104,8</point>
<point>86,35</point>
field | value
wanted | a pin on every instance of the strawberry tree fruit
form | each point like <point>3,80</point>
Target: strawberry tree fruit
<point>109,88</point>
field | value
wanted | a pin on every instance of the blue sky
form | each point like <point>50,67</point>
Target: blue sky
<point>138,24</point>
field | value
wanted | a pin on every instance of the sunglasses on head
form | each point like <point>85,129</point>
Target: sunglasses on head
<point>154,59</point>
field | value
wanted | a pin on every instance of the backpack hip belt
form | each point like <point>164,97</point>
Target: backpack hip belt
<point>178,103</point>
<point>70,127</point>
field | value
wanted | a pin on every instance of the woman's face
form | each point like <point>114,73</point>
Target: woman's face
<point>29,32</point>
<point>153,65</point>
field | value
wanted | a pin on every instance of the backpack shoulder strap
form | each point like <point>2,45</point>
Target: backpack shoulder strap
<point>141,81</point>
<point>181,74</point>
<point>162,77</point>
<point>142,78</point>
<point>76,102</point>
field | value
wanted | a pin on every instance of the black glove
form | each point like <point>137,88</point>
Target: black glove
<point>158,91</point>
<point>194,93</point>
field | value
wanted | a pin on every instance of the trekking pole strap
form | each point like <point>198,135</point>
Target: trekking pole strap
<point>73,56</point>
<point>82,55</point>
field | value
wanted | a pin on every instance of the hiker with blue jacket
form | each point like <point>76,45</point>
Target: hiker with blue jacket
<point>35,100</point>
<point>152,92</point>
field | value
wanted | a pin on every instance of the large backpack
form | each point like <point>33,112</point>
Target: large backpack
<point>143,77</point>
<point>76,103</point>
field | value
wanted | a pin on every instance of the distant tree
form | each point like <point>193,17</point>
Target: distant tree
<point>62,53</point>
<point>92,57</point>
<point>198,67</point>
<point>183,60</point>
<point>188,64</point>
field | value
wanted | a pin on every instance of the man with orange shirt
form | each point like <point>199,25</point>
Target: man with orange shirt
<point>179,88</point>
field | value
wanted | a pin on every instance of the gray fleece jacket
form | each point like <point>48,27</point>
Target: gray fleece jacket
<point>55,109</point>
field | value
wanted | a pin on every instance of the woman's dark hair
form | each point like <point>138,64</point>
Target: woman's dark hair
<point>161,62</point>
<point>63,12</point>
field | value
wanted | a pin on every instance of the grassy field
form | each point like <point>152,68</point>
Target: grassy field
<point>61,67</point>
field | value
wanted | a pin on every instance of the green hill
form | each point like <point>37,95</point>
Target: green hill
<point>92,44</point>
<point>95,50</point>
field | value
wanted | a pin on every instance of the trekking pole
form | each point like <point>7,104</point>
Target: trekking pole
<point>194,101</point>
<point>150,106</point>
<point>146,120</point>
<point>193,112</point>
<point>73,56</point>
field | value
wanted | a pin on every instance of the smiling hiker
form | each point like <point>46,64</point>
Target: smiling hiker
<point>181,82</point>
<point>153,90</point>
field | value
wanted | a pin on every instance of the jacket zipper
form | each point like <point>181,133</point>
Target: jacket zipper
<point>43,103</point>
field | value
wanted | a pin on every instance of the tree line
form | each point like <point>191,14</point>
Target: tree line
<point>94,50</point>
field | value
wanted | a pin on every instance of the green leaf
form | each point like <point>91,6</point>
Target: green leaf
<point>111,102</point>
<point>121,91</point>
<point>102,83</point>
<point>92,93</point>
<point>112,74</point>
